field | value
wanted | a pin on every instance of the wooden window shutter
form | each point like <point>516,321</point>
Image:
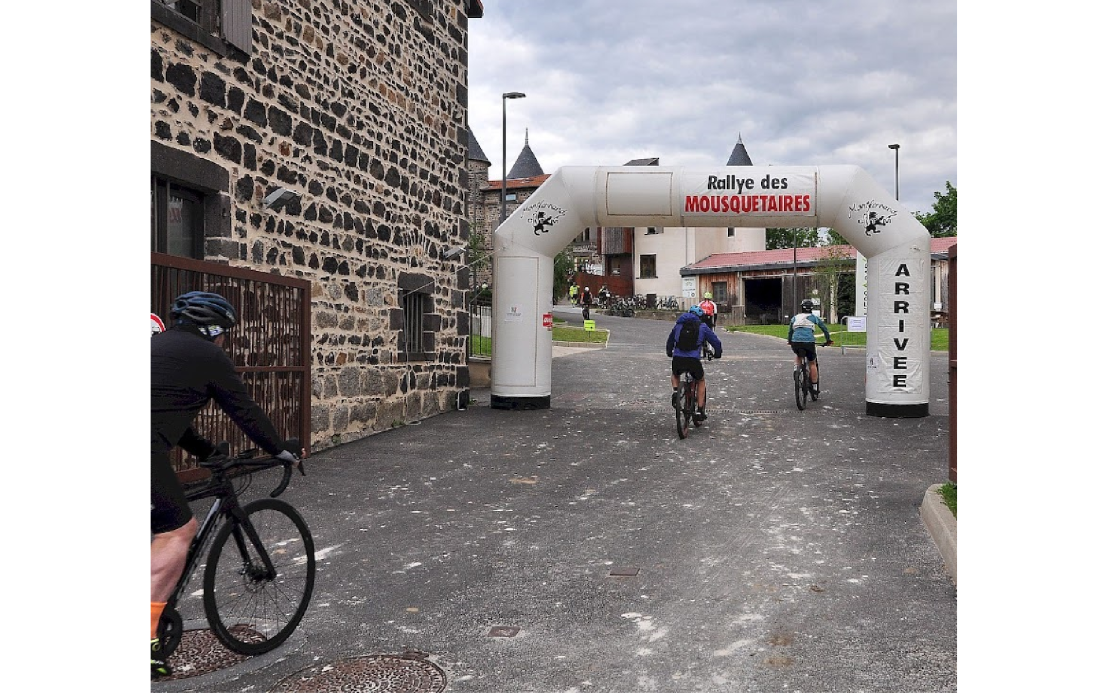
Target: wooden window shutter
<point>237,23</point>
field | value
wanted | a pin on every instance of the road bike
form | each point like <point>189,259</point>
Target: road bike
<point>802,385</point>
<point>260,560</point>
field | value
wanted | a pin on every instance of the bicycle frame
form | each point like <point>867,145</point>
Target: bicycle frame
<point>225,505</point>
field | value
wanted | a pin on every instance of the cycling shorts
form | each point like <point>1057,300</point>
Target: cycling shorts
<point>170,509</point>
<point>681,364</point>
<point>805,349</point>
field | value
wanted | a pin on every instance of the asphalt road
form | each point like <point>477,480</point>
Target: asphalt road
<point>771,551</point>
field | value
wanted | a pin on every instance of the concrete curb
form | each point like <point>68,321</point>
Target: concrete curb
<point>942,525</point>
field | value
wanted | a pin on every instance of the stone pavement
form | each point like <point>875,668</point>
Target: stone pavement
<point>587,548</point>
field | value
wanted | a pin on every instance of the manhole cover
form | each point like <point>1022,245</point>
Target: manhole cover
<point>380,673</point>
<point>200,652</point>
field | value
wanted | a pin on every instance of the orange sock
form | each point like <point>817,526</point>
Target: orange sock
<point>157,611</point>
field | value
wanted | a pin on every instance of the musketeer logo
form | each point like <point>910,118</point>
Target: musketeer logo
<point>543,216</point>
<point>872,216</point>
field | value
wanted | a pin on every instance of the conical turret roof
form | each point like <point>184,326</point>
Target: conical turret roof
<point>526,165</point>
<point>474,150</point>
<point>739,155</point>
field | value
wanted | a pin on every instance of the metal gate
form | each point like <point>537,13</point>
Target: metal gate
<point>270,346</point>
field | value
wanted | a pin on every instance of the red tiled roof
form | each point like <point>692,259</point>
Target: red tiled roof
<point>527,182</point>
<point>804,254</point>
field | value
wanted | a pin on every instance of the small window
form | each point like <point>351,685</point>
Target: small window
<point>651,231</point>
<point>730,232</point>
<point>414,323</point>
<point>177,219</point>
<point>647,266</point>
<point>510,196</point>
<point>217,24</point>
<point>719,291</point>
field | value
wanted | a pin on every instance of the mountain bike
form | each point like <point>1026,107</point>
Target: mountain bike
<point>685,407</point>
<point>260,560</point>
<point>802,385</point>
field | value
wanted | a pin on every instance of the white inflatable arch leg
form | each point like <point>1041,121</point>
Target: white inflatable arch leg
<point>843,198</point>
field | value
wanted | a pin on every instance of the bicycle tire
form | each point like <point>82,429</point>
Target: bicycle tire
<point>693,402</point>
<point>799,387</point>
<point>249,613</point>
<point>682,416</point>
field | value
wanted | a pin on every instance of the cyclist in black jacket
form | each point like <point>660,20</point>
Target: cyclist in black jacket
<point>189,368</point>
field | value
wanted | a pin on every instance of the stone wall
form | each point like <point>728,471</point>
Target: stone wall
<point>360,107</point>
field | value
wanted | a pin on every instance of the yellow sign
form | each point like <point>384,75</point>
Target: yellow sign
<point>589,325</point>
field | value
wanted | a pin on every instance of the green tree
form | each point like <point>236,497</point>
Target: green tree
<point>831,237</point>
<point>563,271</point>
<point>786,238</point>
<point>942,223</point>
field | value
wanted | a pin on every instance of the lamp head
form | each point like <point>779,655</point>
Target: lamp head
<point>512,95</point>
<point>279,198</point>
<point>894,146</point>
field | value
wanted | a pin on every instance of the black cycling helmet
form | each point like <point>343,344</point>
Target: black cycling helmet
<point>806,304</point>
<point>203,308</point>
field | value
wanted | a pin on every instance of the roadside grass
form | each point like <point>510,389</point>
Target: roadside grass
<point>565,333</point>
<point>482,346</point>
<point>949,496</point>
<point>938,338</point>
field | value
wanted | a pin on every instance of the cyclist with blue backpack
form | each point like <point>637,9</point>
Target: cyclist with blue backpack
<point>684,345</point>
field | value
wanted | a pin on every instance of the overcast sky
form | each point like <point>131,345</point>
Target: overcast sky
<point>805,82</point>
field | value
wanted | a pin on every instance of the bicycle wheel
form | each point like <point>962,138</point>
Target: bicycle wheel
<point>682,415</point>
<point>799,388</point>
<point>250,610</point>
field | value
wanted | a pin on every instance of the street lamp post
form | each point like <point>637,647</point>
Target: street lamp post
<point>895,147</point>
<point>505,96</point>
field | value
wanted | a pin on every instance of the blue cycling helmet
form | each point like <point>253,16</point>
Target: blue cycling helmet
<point>205,309</point>
<point>695,310</point>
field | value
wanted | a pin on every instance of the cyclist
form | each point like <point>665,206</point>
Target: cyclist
<point>586,299</point>
<point>800,338</point>
<point>684,345</point>
<point>189,368</point>
<point>708,312</point>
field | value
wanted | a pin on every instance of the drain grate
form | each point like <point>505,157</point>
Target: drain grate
<point>199,652</point>
<point>380,673</point>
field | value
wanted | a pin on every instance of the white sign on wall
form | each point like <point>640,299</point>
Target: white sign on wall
<point>688,287</point>
<point>857,324</point>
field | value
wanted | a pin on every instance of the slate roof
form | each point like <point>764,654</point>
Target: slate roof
<point>526,164</point>
<point>474,150</point>
<point>644,162</point>
<point>735,261</point>
<point>739,155</point>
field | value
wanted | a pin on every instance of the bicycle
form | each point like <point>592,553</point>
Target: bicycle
<point>685,405</point>
<point>260,560</point>
<point>802,385</point>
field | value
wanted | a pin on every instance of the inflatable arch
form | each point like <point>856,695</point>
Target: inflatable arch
<point>840,197</point>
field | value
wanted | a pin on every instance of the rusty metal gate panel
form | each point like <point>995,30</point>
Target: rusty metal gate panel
<point>953,364</point>
<point>270,346</point>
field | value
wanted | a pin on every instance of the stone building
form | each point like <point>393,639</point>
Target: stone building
<point>328,141</point>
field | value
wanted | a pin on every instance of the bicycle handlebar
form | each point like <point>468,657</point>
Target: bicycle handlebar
<point>250,463</point>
